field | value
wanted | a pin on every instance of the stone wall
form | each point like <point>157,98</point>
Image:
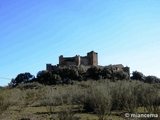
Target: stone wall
<point>84,60</point>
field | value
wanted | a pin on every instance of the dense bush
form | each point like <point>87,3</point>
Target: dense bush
<point>94,72</point>
<point>68,72</point>
<point>152,79</point>
<point>99,100</point>
<point>123,96</point>
<point>108,72</point>
<point>48,78</point>
<point>21,78</point>
<point>136,75</point>
<point>121,75</point>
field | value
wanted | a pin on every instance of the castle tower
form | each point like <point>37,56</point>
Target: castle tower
<point>78,60</point>
<point>93,58</point>
<point>61,60</point>
<point>49,67</point>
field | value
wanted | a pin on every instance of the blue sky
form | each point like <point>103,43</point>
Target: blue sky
<point>36,32</point>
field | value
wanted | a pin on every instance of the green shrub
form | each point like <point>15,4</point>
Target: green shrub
<point>94,72</point>
<point>136,75</point>
<point>99,100</point>
<point>151,100</point>
<point>123,96</point>
<point>66,112</point>
<point>48,96</point>
<point>150,79</point>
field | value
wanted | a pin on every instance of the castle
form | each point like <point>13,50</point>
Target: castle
<point>91,59</point>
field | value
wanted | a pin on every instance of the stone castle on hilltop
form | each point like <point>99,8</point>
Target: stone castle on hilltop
<point>91,59</point>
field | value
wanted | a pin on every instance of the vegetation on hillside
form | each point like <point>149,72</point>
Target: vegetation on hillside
<point>65,75</point>
<point>69,93</point>
<point>96,99</point>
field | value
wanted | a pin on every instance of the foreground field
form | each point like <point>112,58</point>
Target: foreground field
<point>87,100</point>
<point>40,113</point>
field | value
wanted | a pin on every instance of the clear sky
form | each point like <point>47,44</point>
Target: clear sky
<point>36,32</point>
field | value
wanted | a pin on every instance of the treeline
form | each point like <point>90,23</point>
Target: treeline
<point>66,75</point>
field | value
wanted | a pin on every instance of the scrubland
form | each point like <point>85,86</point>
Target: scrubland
<point>86,100</point>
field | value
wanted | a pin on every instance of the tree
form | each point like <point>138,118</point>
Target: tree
<point>56,79</point>
<point>68,72</point>
<point>138,76</point>
<point>22,78</point>
<point>73,73</point>
<point>151,79</point>
<point>94,72</point>
<point>109,72</point>
<point>48,78</point>
<point>120,75</point>
<point>63,72</point>
<point>43,77</point>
